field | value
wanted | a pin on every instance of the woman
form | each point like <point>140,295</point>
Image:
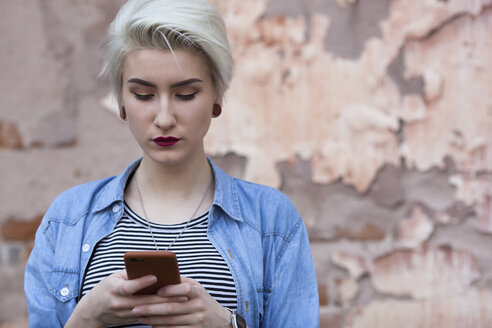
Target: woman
<point>242,248</point>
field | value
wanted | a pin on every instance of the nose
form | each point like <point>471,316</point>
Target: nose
<point>165,117</point>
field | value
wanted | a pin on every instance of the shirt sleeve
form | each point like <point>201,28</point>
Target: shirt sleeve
<point>294,301</point>
<point>40,302</point>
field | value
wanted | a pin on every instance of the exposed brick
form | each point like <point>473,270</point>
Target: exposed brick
<point>368,232</point>
<point>292,116</point>
<point>16,230</point>
<point>28,251</point>
<point>324,299</point>
<point>10,136</point>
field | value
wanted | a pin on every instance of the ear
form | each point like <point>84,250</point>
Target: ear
<point>123,113</point>
<point>217,110</point>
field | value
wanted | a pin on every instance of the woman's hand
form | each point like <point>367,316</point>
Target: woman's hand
<point>111,301</point>
<point>199,310</point>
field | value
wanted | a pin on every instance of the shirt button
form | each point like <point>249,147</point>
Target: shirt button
<point>85,248</point>
<point>116,208</point>
<point>64,291</point>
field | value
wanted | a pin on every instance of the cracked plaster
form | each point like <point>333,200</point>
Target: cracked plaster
<point>470,309</point>
<point>347,122</point>
<point>458,123</point>
<point>352,22</point>
<point>349,118</point>
<point>426,272</point>
<point>416,229</point>
<point>354,264</point>
<point>346,132</point>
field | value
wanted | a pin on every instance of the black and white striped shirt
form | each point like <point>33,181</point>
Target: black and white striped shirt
<point>197,257</point>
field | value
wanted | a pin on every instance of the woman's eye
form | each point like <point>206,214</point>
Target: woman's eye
<point>189,96</point>
<point>143,97</point>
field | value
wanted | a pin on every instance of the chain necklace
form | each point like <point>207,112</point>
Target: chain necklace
<point>186,225</point>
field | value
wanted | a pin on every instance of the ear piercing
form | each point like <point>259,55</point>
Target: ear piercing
<point>123,113</point>
<point>217,110</point>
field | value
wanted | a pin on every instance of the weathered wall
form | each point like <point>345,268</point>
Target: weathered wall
<point>374,116</point>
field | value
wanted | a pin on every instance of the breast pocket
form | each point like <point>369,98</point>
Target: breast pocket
<point>64,284</point>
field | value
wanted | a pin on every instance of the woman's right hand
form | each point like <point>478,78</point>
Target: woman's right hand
<point>111,301</point>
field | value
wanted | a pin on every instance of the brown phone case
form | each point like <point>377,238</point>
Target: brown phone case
<point>162,264</point>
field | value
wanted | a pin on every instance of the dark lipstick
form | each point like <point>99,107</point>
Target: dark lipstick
<point>166,141</point>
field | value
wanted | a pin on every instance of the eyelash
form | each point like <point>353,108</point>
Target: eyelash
<point>142,97</point>
<point>187,97</point>
<point>181,97</point>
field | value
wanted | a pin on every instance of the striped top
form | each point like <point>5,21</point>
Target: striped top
<point>197,257</point>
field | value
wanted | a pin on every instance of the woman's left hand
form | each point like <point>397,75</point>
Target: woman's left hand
<point>199,310</point>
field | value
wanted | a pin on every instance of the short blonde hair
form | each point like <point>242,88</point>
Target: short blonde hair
<point>194,25</point>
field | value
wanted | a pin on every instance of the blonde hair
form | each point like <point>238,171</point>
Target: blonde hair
<point>194,25</point>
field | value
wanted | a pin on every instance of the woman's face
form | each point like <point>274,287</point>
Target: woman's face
<point>168,106</point>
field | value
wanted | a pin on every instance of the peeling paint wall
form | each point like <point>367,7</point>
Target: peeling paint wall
<point>373,116</point>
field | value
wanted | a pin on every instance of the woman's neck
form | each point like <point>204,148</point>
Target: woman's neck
<point>170,194</point>
<point>179,181</point>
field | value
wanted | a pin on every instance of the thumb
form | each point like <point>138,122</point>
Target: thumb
<point>129,287</point>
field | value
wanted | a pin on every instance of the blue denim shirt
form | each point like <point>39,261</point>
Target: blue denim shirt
<point>255,228</point>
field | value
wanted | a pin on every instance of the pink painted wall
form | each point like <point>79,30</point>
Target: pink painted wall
<point>375,117</point>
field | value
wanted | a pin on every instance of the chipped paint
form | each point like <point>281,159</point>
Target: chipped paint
<point>349,133</point>
<point>287,65</point>
<point>354,264</point>
<point>445,218</point>
<point>416,229</point>
<point>425,272</point>
<point>449,128</point>
<point>467,310</point>
<point>347,291</point>
<point>476,191</point>
<point>393,110</point>
<point>320,125</point>
<point>10,136</point>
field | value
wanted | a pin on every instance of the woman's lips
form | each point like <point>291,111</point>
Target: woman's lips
<point>166,141</point>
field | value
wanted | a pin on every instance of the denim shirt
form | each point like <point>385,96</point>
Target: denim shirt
<point>256,229</point>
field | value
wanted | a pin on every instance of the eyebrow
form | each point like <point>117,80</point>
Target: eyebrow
<point>174,85</point>
<point>142,82</point>
<point>185,82</point>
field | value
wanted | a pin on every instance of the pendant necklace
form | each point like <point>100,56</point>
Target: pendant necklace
<point>186,225</point>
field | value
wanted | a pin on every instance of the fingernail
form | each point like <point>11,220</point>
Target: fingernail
<point>152,279</point>
<point>136,310</point>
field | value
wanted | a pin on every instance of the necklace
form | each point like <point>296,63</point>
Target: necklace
<point>186,225</point>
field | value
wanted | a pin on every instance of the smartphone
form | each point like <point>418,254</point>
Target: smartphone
<point>162,264</point>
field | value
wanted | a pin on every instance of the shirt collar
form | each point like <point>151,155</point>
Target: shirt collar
<point>225,195</point>
<point>113,191</point>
